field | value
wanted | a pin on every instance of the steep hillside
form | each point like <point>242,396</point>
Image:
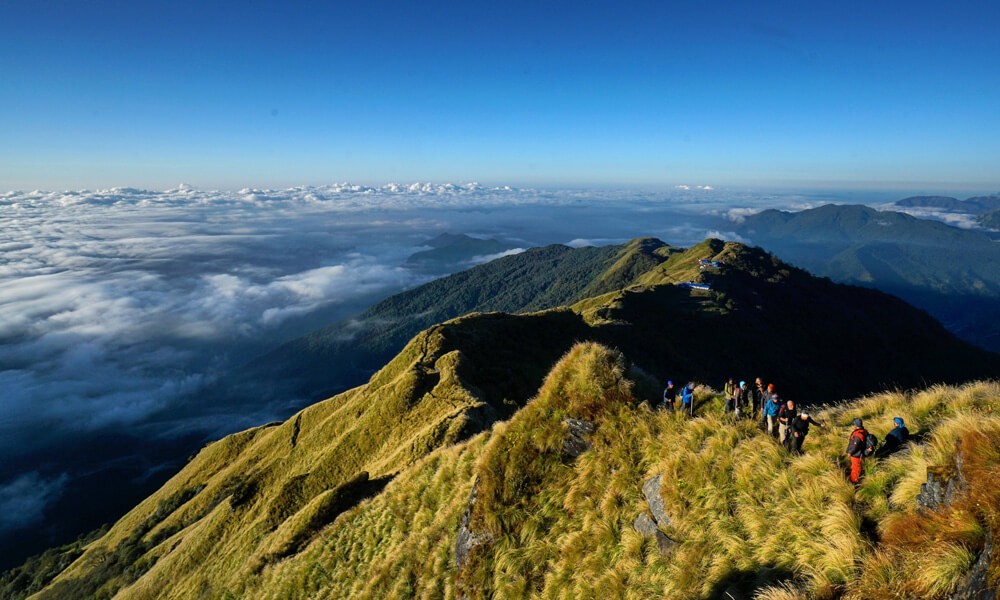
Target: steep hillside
<point>583,493</point>
<point>952,273</point>
<point>345,354</point>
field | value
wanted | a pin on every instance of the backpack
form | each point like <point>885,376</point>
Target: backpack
<point>856,447</point>
<point>871,443</point>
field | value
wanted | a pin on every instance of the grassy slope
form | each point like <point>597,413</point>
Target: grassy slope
<point>254,497</point>
<point>746,513</point>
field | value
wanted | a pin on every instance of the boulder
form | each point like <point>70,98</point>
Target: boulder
<point>645,525</point>
<point>941,490</point>
<point>576,442</point>
<point>651,490</point>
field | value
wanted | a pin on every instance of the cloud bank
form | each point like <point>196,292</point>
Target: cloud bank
<point>23,500</point>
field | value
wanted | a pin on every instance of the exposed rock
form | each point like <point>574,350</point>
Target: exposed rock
<point>651,490</point>
<point>940,490</point>
<point>576,444</point>
<point>644,524</point>
<point>468,539</point>
<point>975,585</point>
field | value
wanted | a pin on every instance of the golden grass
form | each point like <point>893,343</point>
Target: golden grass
<point>746,514</point>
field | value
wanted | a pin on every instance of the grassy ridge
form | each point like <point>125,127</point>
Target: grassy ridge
<point>747,515</point>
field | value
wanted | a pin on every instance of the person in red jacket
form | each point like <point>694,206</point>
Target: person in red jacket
<point>856,449</point>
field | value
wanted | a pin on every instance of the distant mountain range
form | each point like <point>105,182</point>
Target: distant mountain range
<point>977,205</point>
<point>952,273</point>
<point>408,485</point>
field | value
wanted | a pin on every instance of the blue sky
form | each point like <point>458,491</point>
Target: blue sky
<point>252,93</point>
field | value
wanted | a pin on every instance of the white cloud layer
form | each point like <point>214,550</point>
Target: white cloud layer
<point>963,220</point>
<point>23,499</point>
<point>478,260</point>
<point>728,236</point>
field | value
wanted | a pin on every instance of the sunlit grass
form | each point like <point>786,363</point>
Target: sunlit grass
<point>744,513</point>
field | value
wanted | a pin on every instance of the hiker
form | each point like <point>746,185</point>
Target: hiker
<point>687,398</point>
<point>729,393</point>
<point>758,398</point>
<point>898,436</point>
<point>859,445</point>
<point>800,428</point>
<point>739,397</point>
<point>786,415</point>
<point>769,391</point>
<point>771,409</point>
<point>670,396</point>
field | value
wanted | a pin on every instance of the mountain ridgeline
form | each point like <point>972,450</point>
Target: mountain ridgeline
<point>510,455</point>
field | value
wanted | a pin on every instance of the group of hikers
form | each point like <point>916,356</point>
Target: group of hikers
<point>783,421</point>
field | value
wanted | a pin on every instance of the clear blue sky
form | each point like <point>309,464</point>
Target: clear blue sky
<point>254,93</point>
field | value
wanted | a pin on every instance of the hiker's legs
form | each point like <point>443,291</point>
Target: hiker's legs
<point>782,433</point>
<point>855,469</point>
<point>772,425</point>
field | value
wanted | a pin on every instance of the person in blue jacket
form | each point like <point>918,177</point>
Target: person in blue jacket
<point>771,408</point>
<point>687,398</point>
<point>898,436</point>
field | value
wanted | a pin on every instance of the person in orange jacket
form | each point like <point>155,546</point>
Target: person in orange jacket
<point>857,449</point>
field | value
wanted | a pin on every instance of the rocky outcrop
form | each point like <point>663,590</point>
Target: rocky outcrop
<point>649,526</point>
<point>651,490</point>
<point>976,585</point>
<point>576,442</point>
<point>944,486</point>
<point>469,540</point>
<point>941,490</point>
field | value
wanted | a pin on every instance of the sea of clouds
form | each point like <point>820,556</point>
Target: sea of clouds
<point>116,304</point>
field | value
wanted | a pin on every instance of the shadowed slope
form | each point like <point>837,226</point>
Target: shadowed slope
<point>953,273</point>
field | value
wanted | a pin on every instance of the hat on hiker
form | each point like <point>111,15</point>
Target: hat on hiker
<point>670,382</point>
<point>742,383</point>
<point>858,423</point>
<point>770,387</point>
<point>804,415</point>
<point>898,421</point>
